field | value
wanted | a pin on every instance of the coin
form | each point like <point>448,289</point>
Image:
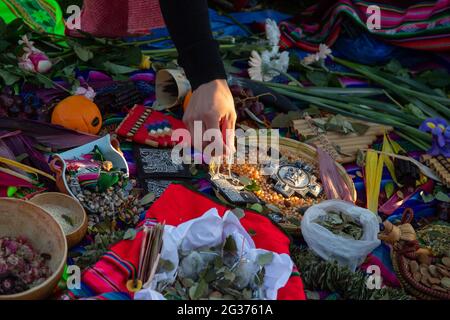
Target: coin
<point>438,288</point>
<point>425,281</point>
<point>433,280</point>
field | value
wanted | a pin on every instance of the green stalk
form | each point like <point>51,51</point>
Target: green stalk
<point>417,143</point>
<point>174,50</point>
<point>359,103</point>
<point>357,112</point>
<point>390,85</point>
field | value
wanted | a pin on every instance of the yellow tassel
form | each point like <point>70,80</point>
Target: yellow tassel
<point>26,168</point>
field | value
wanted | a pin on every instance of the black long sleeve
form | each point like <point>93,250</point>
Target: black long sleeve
<point>198,52</point>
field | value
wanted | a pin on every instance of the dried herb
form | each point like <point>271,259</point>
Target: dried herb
<point>341,224</point>
<point>436,237</point>
<point>216,274</point>
<point>320,275</point>
<point>94,251</point>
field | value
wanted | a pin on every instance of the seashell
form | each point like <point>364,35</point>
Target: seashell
<point>417,276</point>
<point>413,266</point>
<point>443,271</point>
<point>446,261</point>
<point>445,283</point>
<point>438,288</point>
<point>424,270</point>
<point>434,280</point>
<point>425,281</point>
<point>432,269</point>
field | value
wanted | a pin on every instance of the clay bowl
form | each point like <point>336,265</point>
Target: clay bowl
<point>72,208</point>
<point>21,218</point>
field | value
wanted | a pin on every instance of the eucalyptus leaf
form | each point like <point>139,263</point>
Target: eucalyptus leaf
<point>130,234</point>
<point>257,207</point>
<point>441,196</point>
<point>265,258</point>
<point>147,199</point>
<point>238,212</point>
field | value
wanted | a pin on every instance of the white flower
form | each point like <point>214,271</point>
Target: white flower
<point>324,51</point>
<point>87,92</point>
<point>321,55</point>
<point>310,59</point>
<point>272,32</point>
<point>268,65</point>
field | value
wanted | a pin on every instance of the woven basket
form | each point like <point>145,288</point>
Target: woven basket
<point>308,153</point>
<point>410,285</point>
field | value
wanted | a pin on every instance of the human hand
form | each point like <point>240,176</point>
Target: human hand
<point>213,105</point>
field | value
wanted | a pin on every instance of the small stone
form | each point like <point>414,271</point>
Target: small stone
<point>417,276</point>
<point>446,262</point>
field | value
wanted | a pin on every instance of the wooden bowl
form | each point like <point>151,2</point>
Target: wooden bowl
<point>22,218</point>
<point>74,209</point>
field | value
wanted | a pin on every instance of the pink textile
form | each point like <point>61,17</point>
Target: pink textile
<point>106,18</point>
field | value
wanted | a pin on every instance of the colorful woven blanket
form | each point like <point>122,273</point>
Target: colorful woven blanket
<point>423,25</point>
<point>42,15</point>
<point>114,269</point>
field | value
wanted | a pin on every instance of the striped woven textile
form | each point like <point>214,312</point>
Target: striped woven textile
<point>423,25</point>
<point>42,15</point>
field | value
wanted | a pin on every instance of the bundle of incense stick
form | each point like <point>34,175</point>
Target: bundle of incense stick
<point>150,253</point>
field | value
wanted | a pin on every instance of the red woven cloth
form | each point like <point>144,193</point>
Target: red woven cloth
<point>176,205</point>
<point>106,18</point>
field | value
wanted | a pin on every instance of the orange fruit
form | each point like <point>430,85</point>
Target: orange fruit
<point>186,100</point>
<point>78,113</point>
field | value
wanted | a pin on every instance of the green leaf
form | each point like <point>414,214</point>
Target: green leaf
<point>427,197</point>
<point>238,212</point>
<point>319,78</point>
<point>107,180</point>
<point>257,207</point>
<point>130,234</point>
<point>147,199</point>
<point>389,189</point>
<point>244,180</point>
<point>272,208</point>
<point>284,120</point>
<point>264,258</point>
<point>251,232</point>
<point>83,53</point>
<point>132,56</point>
<point>168,266</point>
<point>441,196</point>
<point>360,128</point>
<point>230,245</point>
<point>253,186</point>
<point>117,69</point>
<point>436,78</point>
<point>8,77</point>
<point>412,109</point>
<point>198,290</point>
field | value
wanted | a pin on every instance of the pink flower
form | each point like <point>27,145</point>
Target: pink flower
<point>33,60</point>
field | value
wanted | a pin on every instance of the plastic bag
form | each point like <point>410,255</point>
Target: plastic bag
<point>347,252</point>
<point>211,230</point>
